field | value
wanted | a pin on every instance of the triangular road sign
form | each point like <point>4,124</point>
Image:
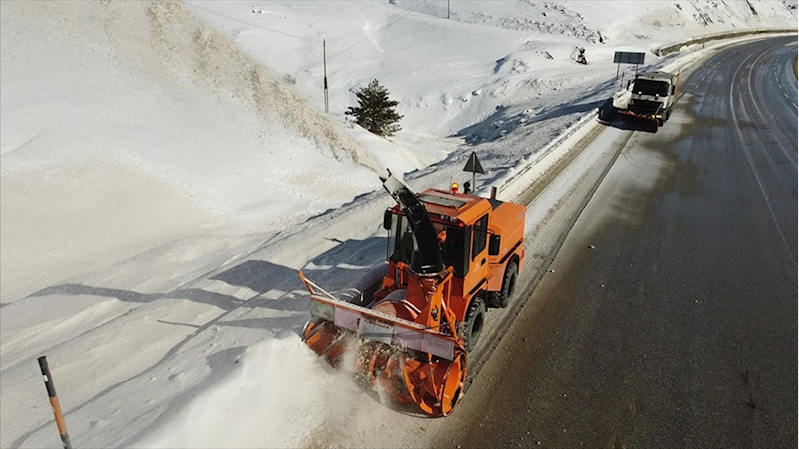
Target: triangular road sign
<point>473,165</point>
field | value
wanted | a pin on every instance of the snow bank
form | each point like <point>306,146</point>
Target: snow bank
<point>443,89</point>
<point>223,68</point>
<point>126,124</point>
<point>274,398</point>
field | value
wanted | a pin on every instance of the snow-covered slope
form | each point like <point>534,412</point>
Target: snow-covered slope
<point>450,73</point>
<point>127,123</point>
<point>166,168</point>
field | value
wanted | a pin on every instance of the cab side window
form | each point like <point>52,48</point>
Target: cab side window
<point>480,236</point>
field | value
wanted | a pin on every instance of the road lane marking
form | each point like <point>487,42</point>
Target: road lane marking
<point>754,99</point>
<point>752,164</point>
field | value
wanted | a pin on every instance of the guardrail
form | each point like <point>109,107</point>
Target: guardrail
<point>671,48</point>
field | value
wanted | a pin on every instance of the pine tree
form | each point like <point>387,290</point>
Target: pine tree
<point>375,112</point>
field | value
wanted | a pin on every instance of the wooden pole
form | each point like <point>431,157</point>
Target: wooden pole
<point>59,417</point>
<point>324,62</point>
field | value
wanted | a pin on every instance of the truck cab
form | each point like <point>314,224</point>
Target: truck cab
<point>652,96</point>
<point>480,238</point>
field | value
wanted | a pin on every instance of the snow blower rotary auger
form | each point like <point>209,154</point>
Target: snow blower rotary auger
<point>450,255</point>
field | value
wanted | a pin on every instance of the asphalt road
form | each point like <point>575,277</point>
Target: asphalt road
<point>670,316</point>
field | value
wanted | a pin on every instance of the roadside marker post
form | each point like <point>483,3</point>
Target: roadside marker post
<point>473,165</point>
<point>59,417</point>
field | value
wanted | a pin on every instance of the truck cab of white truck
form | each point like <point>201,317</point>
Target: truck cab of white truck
<point>650,96</point>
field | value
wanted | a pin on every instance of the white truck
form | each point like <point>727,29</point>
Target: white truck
<point>649,96</point>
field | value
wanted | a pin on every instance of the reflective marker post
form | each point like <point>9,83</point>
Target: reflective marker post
<point>59,418</point>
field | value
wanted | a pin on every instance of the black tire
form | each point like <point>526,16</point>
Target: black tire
<point>607,113</point>
<point>472,326</point>
<point>501,299</point>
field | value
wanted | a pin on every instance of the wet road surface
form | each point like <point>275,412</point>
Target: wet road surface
<point>669,318</point>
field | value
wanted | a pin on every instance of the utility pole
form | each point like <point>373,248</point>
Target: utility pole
<point>324,62</point>
<point>447,9</point>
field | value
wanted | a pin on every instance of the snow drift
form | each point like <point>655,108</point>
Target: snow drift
<point>142,112</point>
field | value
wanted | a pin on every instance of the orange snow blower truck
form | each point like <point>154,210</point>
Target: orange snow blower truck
<point>449,255</point>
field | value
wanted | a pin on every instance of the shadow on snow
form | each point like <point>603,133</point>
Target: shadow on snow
<point>333,270</point>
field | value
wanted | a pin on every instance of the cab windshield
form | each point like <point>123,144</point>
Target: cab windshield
<point>455,246</point>
<point>651,87</point>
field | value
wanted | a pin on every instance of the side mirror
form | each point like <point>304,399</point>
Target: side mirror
<point>493,245</point>
<point>629,83</point>
<point>387,219</point>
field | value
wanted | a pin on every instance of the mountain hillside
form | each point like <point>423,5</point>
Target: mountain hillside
<point>167,168</point>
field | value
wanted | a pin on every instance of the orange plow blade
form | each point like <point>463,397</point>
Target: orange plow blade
<point>413,364</point>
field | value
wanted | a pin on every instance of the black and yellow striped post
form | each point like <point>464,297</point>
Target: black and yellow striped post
<point>59,418</point>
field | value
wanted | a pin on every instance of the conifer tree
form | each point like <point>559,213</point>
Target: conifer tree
<point>375,111</point>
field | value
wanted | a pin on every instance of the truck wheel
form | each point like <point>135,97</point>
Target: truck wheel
<point>471,328</point>
<point>501,298</point>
